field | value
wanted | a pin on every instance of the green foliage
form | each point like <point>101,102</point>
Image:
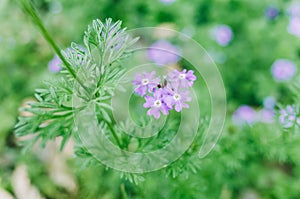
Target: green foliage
<point>97,69</point>
<point>262,158</point>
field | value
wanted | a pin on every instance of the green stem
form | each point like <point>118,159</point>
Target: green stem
<point>114,134</point>
<point>123,191</point>
<point>29,8</point>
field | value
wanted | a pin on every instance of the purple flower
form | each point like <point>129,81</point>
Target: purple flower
<point>54,64</point>
<point>266,116</point>
<point>222,34</point>
<point>294,10</point>
<point>283,70</point>
<point>289,116</point>
<point>244,115</point>
<point>163,52</point>
<point>145,82</point>
<point>163,96</point>
<point>271,12</point>
<point>294,23</point>
<point>156,104</point>
<point>294,26</point>
<point>269,103</point>
<point>182,78</point>
<point>177,99</point>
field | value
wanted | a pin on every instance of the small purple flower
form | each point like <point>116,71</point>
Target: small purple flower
<point>266,116</point>
<point>163,96</point>
<point>289,116</point>
<point>283,70</point>
<point>182,78</point>
<point>145,82</point>
<point>271,12</point>
<point>294,26</point>
<point>269,103</point>
<point>163,52</point>
<point>177,99</point>
<point>156,104</point>
<point>54,64</point>
<point>222,34</point>
<point>244,115</point>
<point>294,10</point>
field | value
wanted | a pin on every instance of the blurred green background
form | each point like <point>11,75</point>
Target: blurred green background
<point>252,160</point>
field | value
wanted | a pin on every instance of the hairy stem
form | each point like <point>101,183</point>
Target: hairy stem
<point>29,9</point>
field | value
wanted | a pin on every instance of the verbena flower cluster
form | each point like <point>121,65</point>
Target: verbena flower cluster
<point>294,19</point>
<point>247,115</point>
<point>163,52</point>
<point>289,116</point>
<point>161,97</point>
<point>283,70</point>
<point>222,34</point>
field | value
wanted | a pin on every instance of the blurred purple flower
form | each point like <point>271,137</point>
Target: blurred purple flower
<point>244,115</point>
<point>54,64</point>
<point>266,116</point>
<point>182,78</point>
<point>269,103</point>
<point>294,26</point>
<point>145,82</point>
<point>271,12</point>
<point>294,10</point>
<point>283,70</point>
<point>289,116</point>
<point>222,34</point>
<point>163,52</point>
<point>156,104</point>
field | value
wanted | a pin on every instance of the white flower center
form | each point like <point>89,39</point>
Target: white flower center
<point>157,103</point>
<point>145,81</point>
<point>176,97</point>
<point>182,76</point>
